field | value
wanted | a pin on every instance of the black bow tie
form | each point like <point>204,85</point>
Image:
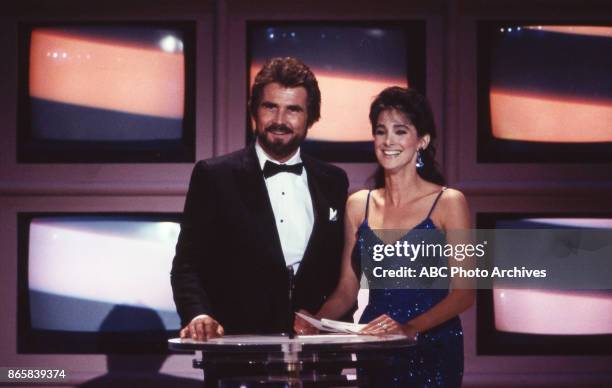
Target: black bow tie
<point>271,169</point>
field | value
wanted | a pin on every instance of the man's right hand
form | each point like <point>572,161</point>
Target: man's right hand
<point>202,328</point>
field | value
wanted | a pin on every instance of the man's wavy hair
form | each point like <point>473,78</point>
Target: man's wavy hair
<point>417,108</point>
<point>290,73</point>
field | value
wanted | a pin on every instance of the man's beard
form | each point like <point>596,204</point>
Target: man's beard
<point>278,148</point>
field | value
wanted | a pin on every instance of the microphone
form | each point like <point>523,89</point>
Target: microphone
<point>291,277</point>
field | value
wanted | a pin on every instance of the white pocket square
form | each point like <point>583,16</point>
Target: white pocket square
<point>333,214</point>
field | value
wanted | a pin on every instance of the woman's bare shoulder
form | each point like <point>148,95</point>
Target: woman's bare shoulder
<point>453,209</point>
<point>453,196</point>
<point>356,205</point>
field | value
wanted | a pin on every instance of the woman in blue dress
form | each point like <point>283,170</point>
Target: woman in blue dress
<point>409,196</point>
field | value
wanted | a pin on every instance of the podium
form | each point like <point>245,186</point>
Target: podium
<point>280,361</point>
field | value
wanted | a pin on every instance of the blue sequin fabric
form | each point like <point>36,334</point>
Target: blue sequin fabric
<point>437,358</point>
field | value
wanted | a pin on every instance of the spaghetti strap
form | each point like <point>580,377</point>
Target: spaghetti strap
<point>435,202</point>
<point>365,220</point>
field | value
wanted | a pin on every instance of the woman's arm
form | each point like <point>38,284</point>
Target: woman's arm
<point>345,294</point>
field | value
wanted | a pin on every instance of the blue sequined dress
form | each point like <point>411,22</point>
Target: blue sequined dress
<point>437,359</point>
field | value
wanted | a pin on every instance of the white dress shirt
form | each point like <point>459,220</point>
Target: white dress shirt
<point>292,207</point>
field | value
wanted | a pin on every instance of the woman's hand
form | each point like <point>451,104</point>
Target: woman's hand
<point>301,327</point>
<point>382,325</point>
<point>410,331</point>
<point>387,325</point>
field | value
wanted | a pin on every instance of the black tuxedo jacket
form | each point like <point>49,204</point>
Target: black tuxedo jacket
<point>229,261</point>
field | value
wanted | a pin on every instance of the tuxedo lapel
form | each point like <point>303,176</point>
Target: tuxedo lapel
<point>252,187</point>
<point>320,207</point>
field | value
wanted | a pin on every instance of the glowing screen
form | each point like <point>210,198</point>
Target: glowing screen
<point>551,83</point>
<point>106,83</point>
<point>101,273</point>
<point>544,92</point>
<point>553,312</point>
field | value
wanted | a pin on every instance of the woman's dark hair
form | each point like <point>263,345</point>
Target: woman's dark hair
<point>291,73</point>
<point>417,108</point>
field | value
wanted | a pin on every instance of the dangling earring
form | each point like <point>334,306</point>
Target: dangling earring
<point>419,161</point>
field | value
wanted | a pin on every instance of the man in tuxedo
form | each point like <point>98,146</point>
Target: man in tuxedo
<point>254,213</point>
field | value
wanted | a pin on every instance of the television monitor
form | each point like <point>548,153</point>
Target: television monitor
<point>544,92</point>
<point>96,282</point>
<point>353,62</point>
<point>102,92</point>
<point>522,321</point>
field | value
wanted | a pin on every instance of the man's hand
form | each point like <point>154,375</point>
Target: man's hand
<point>301,327</point>
<point>202,328</point>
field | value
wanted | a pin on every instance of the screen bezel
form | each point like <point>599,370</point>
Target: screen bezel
<point>493,150</point>
<point>36,341</point>
<point>490,341</point>
<point>415,31</point>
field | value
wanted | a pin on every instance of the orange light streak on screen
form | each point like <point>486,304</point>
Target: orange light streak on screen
<point>345,104</point>
<point>106,75</point>
<point>576,30</point>
<point>549,118</point>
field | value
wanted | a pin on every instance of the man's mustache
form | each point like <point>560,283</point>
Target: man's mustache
<point>278,128</point>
